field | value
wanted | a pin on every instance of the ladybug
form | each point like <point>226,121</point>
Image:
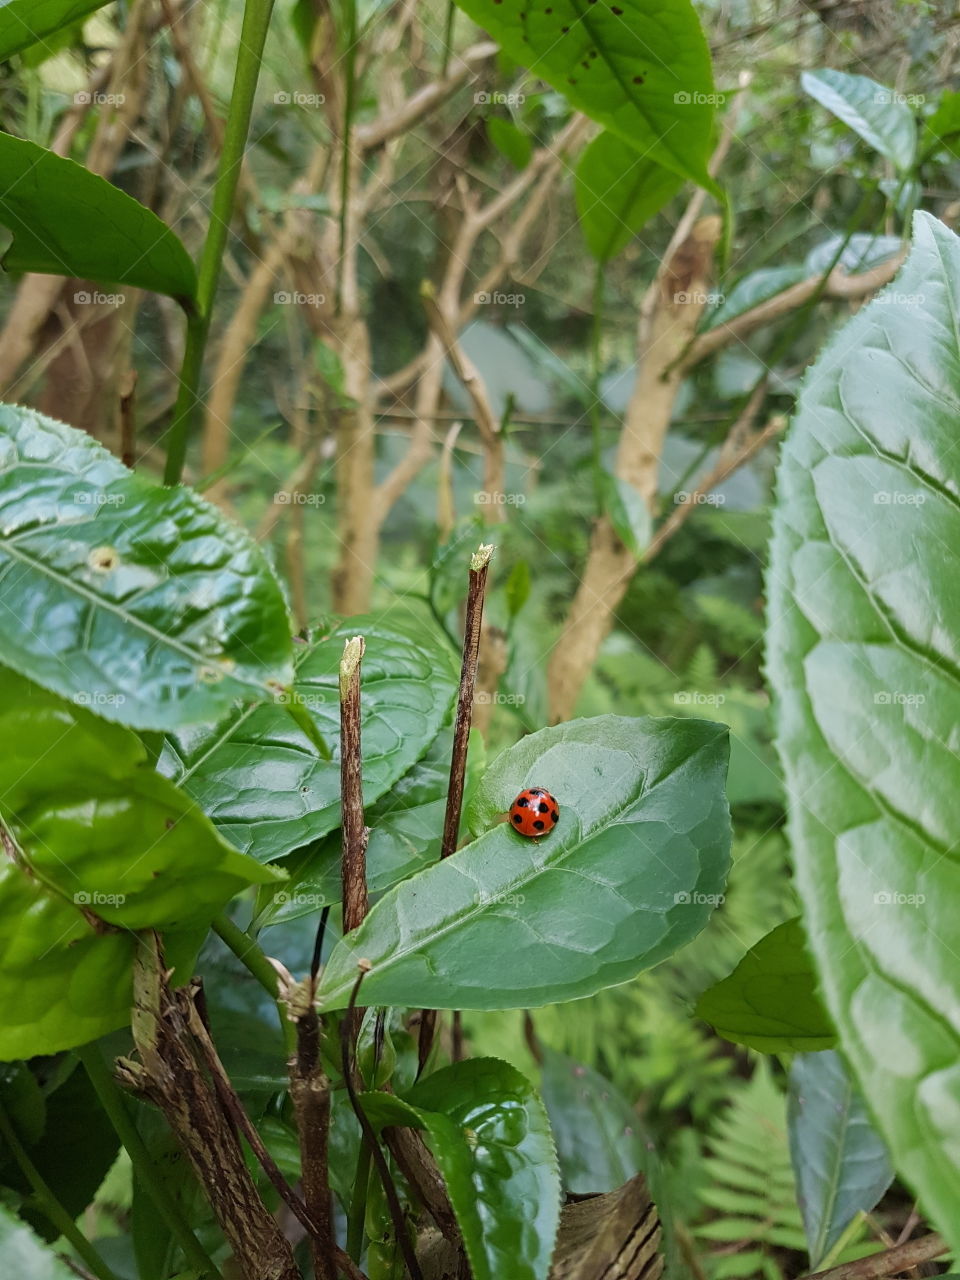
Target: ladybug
<point>534,812</point>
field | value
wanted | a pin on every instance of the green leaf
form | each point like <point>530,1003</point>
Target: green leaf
<point>597,1132</point>
<point>630,873</point>
<point>628,513</point>
<point>512,142</point>
<point>861,251</point>
<point>840,1163</point>
<point>24,1256</point>
<point>874,112</point>
<point>618,190</point>
<point>770,1001</point>
<point>759,286</point>
<point>26,22</point>
<point>261,781</point>
<point>863,659</point>
<point>944,124</point>
<point>405,825</point>
<point>518,587</point>
<point>640,68</point>
<point>67,221</point>
<point>142,603</point>
<point>97,844</point>
<point>490,1135</point>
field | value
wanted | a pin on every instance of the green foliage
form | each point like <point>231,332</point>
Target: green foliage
<point>617,191</point>
<point>156,611</point>
<point>619,883</point>
<point>862,657</point>
<point>24,1255</point>
<point>872,111</point>
<point>58,210</point>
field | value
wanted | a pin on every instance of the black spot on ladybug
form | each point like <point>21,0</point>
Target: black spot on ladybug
<point>543,808</point>
<point>554,815</point>
<point>539,824</point>
<point>522,802</point>
<point>517,819</point>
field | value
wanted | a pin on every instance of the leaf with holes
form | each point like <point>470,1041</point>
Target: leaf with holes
<point>67,221</point>
<point>631,871</point>
<point>143,603</point>
<point>259,778</point>
<point>841,1165</point>
<point>618,190</point>
<point>96,844</point>
<point>864,660</point>
<point>490,1135</point>
<point>639,67</point>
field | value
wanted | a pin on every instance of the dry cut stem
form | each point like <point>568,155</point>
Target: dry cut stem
<point>355,832</point>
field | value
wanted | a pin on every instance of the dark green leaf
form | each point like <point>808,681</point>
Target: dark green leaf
<point>770,1001</point>
<point>877,114</point>
<point>641,69</point>
<point>597,1132</point>
<point>632,870</point>
<point>67,221</point>
<point>511,141</point>
<point>864,616</point>
<point>142,603</point>
<point>618,190</point>
<point>97,845</point>
<point>944,124</point>
<point>262,782</point>
<point>490,1135</point>
<point>840,1162</point>
<point>25,22</point>
<point>518,587</point>
<point>24,1256</point>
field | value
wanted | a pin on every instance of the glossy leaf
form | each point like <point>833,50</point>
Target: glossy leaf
<point>26,22</point>
<point>97,844</point>
<point>618,190</point>
<point>490,1135</point>
<point>260,780</point>
<point>860,252</point>
<point>597,1132</point>
<point>759,286</point>
<point>874,112</point>
<point>640,68</point>
<point>405,829</point>
<point>841,1165</point>
<point>863,658</point>
<point>143,603</point>
<point>67,221</point>
<point>770,1001</point>
<point>24,1256</point>
<point>631,872</point>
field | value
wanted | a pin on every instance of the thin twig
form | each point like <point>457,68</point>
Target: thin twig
<point>353,865</point>
<point>888,1263</point>
<point>128,418</point>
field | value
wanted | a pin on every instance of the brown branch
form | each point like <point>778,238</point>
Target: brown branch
<point>888,1263</point>
<point>355,832</point>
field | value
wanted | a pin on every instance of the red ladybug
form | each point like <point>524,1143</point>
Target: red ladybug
<point>534,812</point>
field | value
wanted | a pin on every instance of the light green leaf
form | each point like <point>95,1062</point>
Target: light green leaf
<point>640,68</point>
<point>860,252</point>
<point>628,512</point>
<point>759,286</point>
<point>143,603</point>
<point>840,1163</point>
<point>631,872</point>
<point>96,845</point>
<point>24,1256</point>
<point>260,780</point>
<point>864,619</point>
<point>770,1001</point>
<point>26,22</point>
<point>512,142</point>
<point>618,190</point>
<point>518,587</point>
<point>874,112</point>
<point>944,124</point>
<point>490,1135</point>
<point>67,221</point>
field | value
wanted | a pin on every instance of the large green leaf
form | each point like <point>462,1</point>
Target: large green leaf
<point>840,1163</point>
<point>874,112</point>
<point>631,872</point>
<point>67,221</point>
<point>24,1256</point>
<point>26,22</point>
<point>143,603</point>
<point>618,190</point>
<point>640,67</point>
<point>260,779</point>
<point>770,1001</point>
<point>97,845</point>
<point>490,1135</point>
<point>864,660</point>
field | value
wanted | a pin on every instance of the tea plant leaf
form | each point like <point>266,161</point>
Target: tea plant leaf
<point>24,1255</point>
<point>874,112</point>
<point>67,221</point>
<point>143,603</point>
<point>863,657</point>
<point>26,22</point>
<point>618,190</point>
<point>631,872</point>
